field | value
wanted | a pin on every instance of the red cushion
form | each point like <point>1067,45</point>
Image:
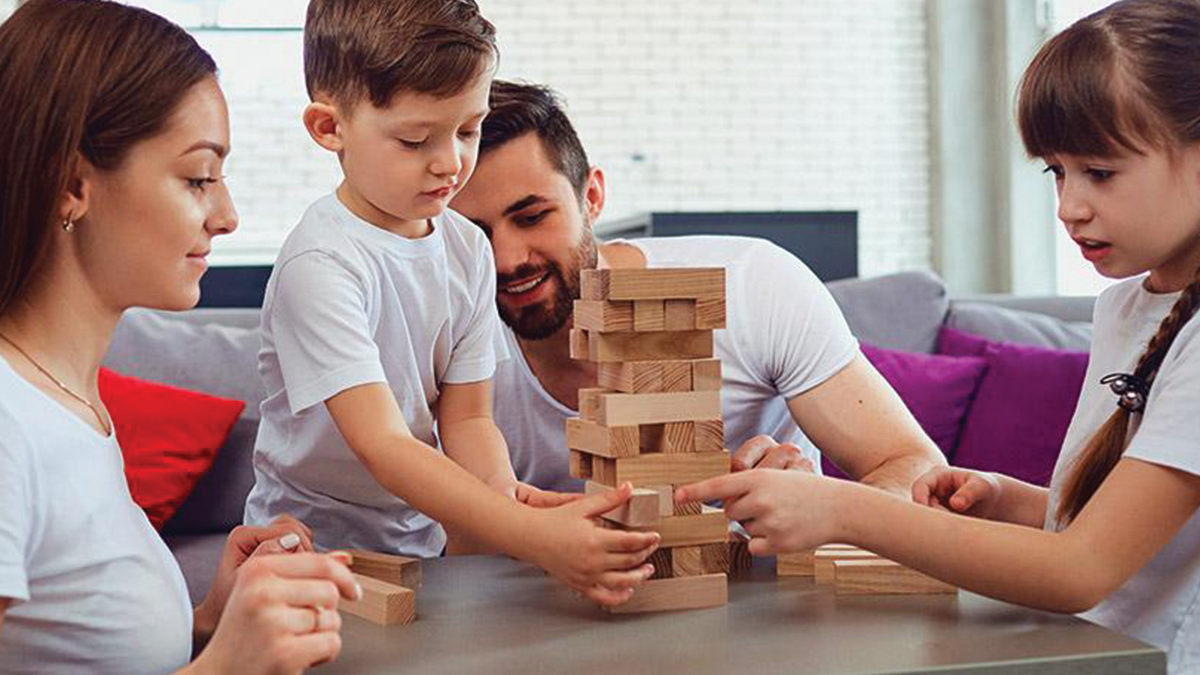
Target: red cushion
<point>169,437</point>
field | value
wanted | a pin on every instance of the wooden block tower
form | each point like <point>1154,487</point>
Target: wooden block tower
<point>655,420</point>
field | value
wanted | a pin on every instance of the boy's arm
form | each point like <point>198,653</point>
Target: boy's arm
<point>470,437</point>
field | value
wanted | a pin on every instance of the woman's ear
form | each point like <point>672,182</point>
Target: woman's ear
<point>322,119</point>
<point>76,198</point>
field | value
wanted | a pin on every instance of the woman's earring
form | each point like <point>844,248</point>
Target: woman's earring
<point>68,226</point>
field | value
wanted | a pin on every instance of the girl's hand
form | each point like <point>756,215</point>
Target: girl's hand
<point>782,510</point>
<point>604,565</point>
<point>972,493</point>
<point>285,534</point>
<point>543,499</point>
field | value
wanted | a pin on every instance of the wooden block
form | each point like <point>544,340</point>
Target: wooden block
<point>649,315</point>
<point>677,376</point>
<point>603,317</point>
<point>661,559</point>
<point>600,440</point>
<point>382,603</point>
<point>618,409</point>
<point>672,437</point>
<point>680,314</point>
<point>706,375</point>
<point>632,377</point>
<point>686,561</point>
<point>710,313</point>
<point>795,564</point>
<point>823,562</point>
<point>688,508</point>
<point>580,464</point>
<point>590,403</point>
<point>706,528</point>
<point>649,346</point>
<point>394,569</point>
<point>655,468</point>
<point>644,508</point>
<point>708,435</point>
<point>738,549</point>
<point>709,590</point>
<point>667,283</point>
<point>879,576</point>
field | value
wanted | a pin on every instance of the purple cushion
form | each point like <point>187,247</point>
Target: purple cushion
<point>1022,409</point>
<point>937,389</point>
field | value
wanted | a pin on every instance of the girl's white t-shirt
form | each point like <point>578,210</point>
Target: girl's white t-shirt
<point>92,587</point>
<point>1158,604</point>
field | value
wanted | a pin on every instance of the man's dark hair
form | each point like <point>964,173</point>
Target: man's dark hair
<point>518,109</point>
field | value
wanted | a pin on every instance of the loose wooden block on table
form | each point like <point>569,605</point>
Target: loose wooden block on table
<point>801,563</point>
<point>650,469</point>
<point>648,346</point>
<point>823,561</point>
<point>382,603</point>
<point>394,569</point>
<point>618,409</point>
<point>884,577</point>
<point>708,590</point>
<point>603,317</point>
<point>645,508</point>
<point>597,439</point>
<point>682,283</point>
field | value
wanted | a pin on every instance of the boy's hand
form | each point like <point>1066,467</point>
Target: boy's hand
<point>972,493</point>
<point>604,565</point>
<point>544,499</point>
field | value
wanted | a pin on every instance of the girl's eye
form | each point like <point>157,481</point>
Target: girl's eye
<point>1054,169</point>
<point>468,133</point>
<point>200,183</point>
<point>411,145</point>
<point>1100,174</point>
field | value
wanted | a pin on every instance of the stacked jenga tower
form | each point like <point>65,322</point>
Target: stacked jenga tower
<point>655,420</point>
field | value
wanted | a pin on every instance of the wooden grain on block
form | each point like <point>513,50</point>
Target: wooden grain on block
<point>710,313</point>
<point>603,317</point>
<point>706,375</point>
<point>661,559</point>
<point>664,283</point>
<point>382,603</point>
<point>600,440</point>
<point>618,409</point>
<point>738,549</point>
<point>644,508</point>
<point>631,377</point>
<point>879,576</point>
<point>656,595</point>
<point>686,561</point>
<point>656,468</point>
<point>671,437</point>
<point>799,564</point>
<point>688,508</point>
<point>649,315</point>
<point>680,314</point>
<point>677,376</point>
<point>580,464</point>
<point>823,561</point>
<point>707,528</point>
<point>649,346</point>
<point>708,435</point>
<point>394,569</point>
<point>590,404</point>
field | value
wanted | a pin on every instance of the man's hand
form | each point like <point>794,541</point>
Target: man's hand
<point>763,452</point>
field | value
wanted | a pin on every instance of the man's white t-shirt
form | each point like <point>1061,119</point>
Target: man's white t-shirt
<point>784,336</point>
<point>350,304</point>
<point>1158,604</point>
<point>93,589</point>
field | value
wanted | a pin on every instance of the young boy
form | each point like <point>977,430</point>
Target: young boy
<point>380,331</point>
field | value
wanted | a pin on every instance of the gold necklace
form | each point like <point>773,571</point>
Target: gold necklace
<point>58,383</point>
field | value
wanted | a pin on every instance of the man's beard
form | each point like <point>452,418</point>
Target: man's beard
<point>538,322</point>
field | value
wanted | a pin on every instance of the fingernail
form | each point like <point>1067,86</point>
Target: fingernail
<point>358,591</point>
<point>289,541</point>
<point>343,557</point>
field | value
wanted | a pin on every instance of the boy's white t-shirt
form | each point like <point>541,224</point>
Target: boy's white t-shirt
<point>93,589</point>
<point>784,336</point>
<point>1158,604</point>
<point>349,304</point>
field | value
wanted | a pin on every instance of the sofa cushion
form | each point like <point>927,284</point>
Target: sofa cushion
<point>898,311</point>
<point>1020,327</point>
<point>1019,418</point>
<point>169,437</point>
<point>214,358</point>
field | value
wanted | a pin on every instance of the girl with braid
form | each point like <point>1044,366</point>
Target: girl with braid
<point>1112,106</point>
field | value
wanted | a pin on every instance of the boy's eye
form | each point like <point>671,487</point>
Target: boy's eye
<point>1100,174</point>
<point>411,145</point>
<point>1054,169</point>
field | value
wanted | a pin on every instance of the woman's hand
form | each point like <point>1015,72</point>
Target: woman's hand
<point>604,565</point>
<point>285,534</point>
<point>972,493</point>
<point>281,617</point>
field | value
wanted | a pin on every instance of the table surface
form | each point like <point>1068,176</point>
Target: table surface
<point>489,614</point>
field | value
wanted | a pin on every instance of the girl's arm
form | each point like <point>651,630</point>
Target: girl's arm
<point>1137,510</point>
<point>993,496</point>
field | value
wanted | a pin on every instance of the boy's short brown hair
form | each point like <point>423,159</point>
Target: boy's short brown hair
<point>375,49</point>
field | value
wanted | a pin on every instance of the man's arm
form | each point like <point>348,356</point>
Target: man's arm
<point>859,422</point>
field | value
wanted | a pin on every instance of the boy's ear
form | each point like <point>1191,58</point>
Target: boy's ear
<point>76,198</point>
<point>593,194</point>
<point>323,122</point>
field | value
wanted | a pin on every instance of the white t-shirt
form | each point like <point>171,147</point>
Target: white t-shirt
<point>349,304</point>
<point>1157,605</point>
<point>93,588</point>
<point>784,336</point>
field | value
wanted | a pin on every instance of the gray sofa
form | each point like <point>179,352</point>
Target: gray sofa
<point>215,351</point>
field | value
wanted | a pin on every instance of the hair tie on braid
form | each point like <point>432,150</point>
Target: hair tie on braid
<point>1131,390</point>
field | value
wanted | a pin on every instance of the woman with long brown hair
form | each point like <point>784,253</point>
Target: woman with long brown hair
<point>110,196</point>
<point>1112,105</point>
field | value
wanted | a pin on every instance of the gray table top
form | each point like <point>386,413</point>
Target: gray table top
<point>488,614</point>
